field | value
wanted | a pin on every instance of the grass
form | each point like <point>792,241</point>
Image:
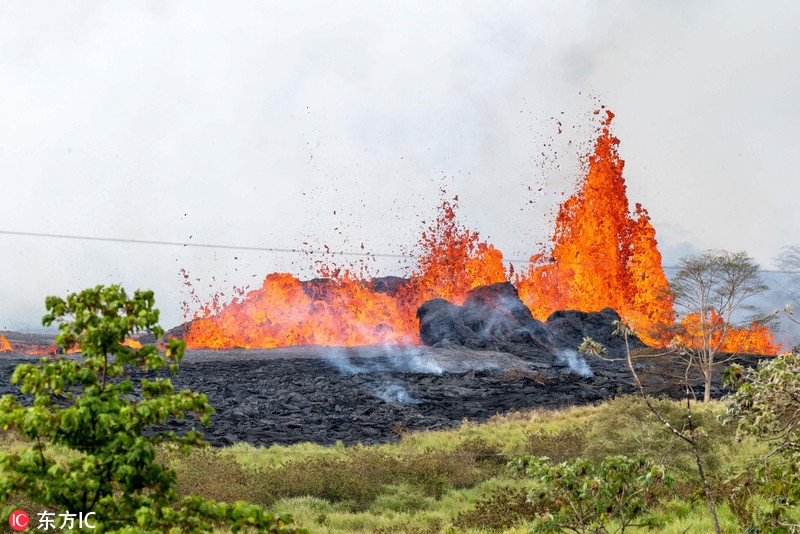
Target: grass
<point>456,480</point>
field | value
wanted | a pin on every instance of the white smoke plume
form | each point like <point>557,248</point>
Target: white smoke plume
<point>575,362</point>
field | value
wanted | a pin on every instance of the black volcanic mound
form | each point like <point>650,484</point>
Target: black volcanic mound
<point>568,328</point>
<point>494,318</point>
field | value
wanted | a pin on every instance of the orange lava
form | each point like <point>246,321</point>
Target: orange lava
<point>280,313</point>
<point>603,255</point>
<point>344,309</point>
<point>5,346</point>
<point>453,261</point>
<point>757,339</point>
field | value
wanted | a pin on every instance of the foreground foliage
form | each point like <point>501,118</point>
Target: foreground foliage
<point>689,433</point>
<point>82,440</point>
<point>453,481</point>
<point>766,406</point>
<point>88,406</point>
<point>584,497</point>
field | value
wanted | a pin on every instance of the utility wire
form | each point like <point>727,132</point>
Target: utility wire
<point>198,245</point>
<point>274,249</point>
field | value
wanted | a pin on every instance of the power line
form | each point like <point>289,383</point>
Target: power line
<point>198,245</point>
<point>280,250</point>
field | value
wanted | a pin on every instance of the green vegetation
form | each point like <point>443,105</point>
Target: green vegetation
<point>457,480</point>
<point>614,467</point>
<point>766,406</point>
<point>86,453</point>
<point>580,496</point>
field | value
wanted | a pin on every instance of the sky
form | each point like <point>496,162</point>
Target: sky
<point>295,125</point>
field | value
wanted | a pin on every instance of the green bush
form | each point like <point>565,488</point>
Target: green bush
<point>560,446</point>
<point>766,405</point>
<point>500,510</point>
<point>89,406</point>
<point>585,497</point>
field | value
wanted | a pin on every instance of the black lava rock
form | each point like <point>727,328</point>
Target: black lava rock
<point>569,327</point>
<point>306,394</point>
<point>440,322</point>
<point>391,285</point>
<point>492,318</point>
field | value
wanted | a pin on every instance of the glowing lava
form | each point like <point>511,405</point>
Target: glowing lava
<point>344,309</point>
<point>757,339</point>
<point>132,343</point>
<point>453,261</point>
<point>603,255</point>
<point>5,346</point>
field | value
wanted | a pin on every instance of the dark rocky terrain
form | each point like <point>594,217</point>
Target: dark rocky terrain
<point>369,394</point>
<point>485,357</point>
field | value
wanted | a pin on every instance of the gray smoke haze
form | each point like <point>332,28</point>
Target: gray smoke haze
<point>386,358</point>
<point>270,125</point>
<point>375,362</point>
<point>394,392</point>
<point>575,362</point>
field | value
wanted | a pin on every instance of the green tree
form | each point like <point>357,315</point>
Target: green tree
<point>587,498</point>
<point>711,293</point>
<point>87,404</point>
<point>766,405</point>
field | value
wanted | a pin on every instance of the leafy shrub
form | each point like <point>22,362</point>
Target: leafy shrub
<point>766,405</point>
<point>89,406</point>
<point>500,510</point>
<point>585,497</point>
<point>559,446</point>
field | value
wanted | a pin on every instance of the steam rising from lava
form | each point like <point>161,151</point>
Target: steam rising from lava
<point>575,362</point>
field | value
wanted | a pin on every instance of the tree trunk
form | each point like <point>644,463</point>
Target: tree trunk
<point>707,379</point>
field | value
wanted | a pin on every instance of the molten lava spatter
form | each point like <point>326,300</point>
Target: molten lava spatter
<point>602,255</point>
<point>344,309</point>
<point>757,339</point>
<point>453,260</point>
<point>281,313</point>
<point>5,346</point>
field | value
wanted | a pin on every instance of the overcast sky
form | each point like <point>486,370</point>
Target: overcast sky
<point>271,124</point>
